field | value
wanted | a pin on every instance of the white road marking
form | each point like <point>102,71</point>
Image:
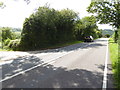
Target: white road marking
<point>104,85</point>
<point>45,63</point>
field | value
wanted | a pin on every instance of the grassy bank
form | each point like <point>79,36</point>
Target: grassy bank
<point>61,45</point>
<point>113,47</point>
<point>53,46</point>
<point>65,44</point>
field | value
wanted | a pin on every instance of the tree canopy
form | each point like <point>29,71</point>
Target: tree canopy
<point>6,33</point>
<point>48,26</point>
<point>106,12</point>
<point>85,27</point>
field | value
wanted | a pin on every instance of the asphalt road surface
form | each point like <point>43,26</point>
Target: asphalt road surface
<point>76,66</point>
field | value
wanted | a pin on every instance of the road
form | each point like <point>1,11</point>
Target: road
<point>76,66</point>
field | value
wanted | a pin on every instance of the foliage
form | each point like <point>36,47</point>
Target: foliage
<point>14,44</point>
<point>109,13</point>
<point>119,58</point>
<point>106,12</point>
<point>115,61</point>
<point>6,42</point>
<point>47,27</point>
<point>6,33</point>
<point>115,36</point>
<point>86,27</point>
<point>99,33</point>
<point>6,36</point>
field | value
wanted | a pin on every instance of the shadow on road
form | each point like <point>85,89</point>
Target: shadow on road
<point>50,76</point>
<point>19,64</point>
<point>110,81</point>
<point>55,77</point>
<point>26,62</point>
<point>71,47</point>
<point>109,67</point>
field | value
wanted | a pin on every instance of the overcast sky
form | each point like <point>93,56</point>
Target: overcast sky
<point>15,12</point>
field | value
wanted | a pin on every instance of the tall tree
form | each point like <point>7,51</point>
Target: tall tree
<point>48,26</point>
<point>86,27</point>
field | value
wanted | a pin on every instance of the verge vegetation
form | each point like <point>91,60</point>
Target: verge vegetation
<point>113,47</point>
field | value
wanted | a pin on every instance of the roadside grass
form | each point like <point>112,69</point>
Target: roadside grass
<point>62,44</point>
<point>5,49</point>
<point>52,46</point>
<point>113,47</point>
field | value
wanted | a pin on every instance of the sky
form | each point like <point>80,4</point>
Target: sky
<point>15,12</point>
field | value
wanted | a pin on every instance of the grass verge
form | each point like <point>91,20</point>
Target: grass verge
<point>5,49</point>
<point>65,44</point>
<point>62,45</point>
<point>51,47</point>
<point>113,47</point>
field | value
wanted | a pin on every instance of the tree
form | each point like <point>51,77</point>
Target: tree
<point>66,24</point>
<point>106,12</point>
<point>48,26</point>
<point>6,34</point>
<point>86,27</point>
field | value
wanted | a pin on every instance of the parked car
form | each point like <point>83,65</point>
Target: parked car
<point>88,39</point>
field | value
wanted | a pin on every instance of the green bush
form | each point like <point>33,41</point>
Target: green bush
<point>47,27</point>
<point>7,33</point>
<point>6,42</point>
<point>14,44</point>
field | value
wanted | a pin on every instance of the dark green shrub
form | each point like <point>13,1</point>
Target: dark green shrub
<point>115,36</point>
<point>14,44</point>
<point>6,42</point>
<point>47,27</point>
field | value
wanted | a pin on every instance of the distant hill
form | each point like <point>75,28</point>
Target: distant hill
<point>107,31</point>
<point>16,29</point>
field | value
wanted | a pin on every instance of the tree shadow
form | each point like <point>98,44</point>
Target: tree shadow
<point>109,67</point>
<point>55,77</point>
<point>25,62</point>
<point>110,77</point>
<point>70,48</point>
<point>19,64</point>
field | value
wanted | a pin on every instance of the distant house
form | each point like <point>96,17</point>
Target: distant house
<point>107,31</point>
